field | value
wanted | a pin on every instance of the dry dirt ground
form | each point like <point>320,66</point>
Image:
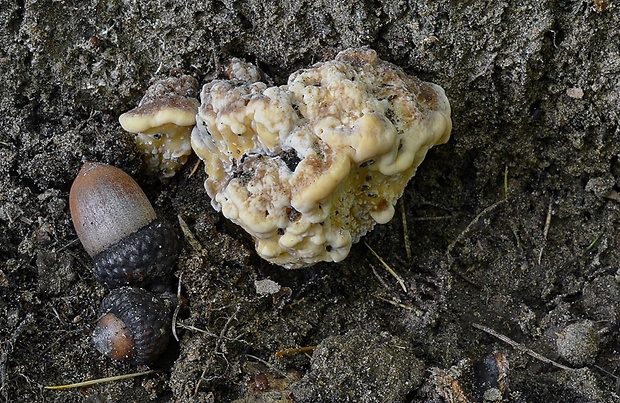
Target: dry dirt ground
<point>512,227</point>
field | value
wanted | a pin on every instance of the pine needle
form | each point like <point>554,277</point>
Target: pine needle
<point>98,381</point>
<point>398,278</point>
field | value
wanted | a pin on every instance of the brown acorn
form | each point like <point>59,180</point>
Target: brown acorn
<point>134,325</point>
<point>119,229</point>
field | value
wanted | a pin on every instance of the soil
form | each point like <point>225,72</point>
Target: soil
<point>507,241</point>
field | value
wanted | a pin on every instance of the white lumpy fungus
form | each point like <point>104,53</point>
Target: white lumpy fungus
<point>163,122</point>
<point>309,167</point>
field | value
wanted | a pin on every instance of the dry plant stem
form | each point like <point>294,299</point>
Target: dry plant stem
<point>546,230</point>
<point>398,278</point>
<point>436,218</point>
<point>506,183</point>
<point>396,303</point>
<point>268,365</point>
<point>202,376</point>
<point>520,347</point>
<point>194,169</point>
<point>100,380</point>
<point>195,329</point>
<point>290,351</point>
<point>403,214</point>
<point>383,283</point>
<point>177,308</point>
<point>189,234</point>
<point>469,227</point>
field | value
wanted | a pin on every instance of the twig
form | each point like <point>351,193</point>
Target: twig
<point>177,308</point>
<point>598,238</point>
<point>434,218</point>
<point>196,329</point>
<point>99,380</point>
<point>520,347</point>
<point>506,183</point>
<point>546,230</point>
<point>469,227</point>
<point>603,370</point>
<point>395,303</point>
<point>268,365</point>
<point>67,245</point>
<point>383,283</point>
<point>189,235</point>
<point>195,168</point>
<point>398,278</point>
<point>202,377</point>
<point>403,214</point>
<point>290,351</point>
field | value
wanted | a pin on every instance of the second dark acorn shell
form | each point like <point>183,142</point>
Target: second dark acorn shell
<point>134,325</point>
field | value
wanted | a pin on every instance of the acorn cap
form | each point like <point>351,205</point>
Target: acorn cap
<point>134,325</point>
<point>140,259</point>
<point>107,205</point>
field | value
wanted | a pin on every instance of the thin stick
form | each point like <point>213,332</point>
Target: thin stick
<point>398,278</point>
<point>469,227</point>
<point>195,168</point>
<point>506,183</point>
<point>268,365</point>
<point>598,238</point>
<point>67,245</point>
<point>403,213</point>
<point>290,351</point>
<point>383,283</point>
<point>519,346</point>
<point>100,380</point>
<point>435,218</point>
<point>177,309</point>
<point>398,304</point>
<point>188,234</point>
<point>545,230</point>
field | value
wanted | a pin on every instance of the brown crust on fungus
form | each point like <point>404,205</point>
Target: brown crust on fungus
<point>358,128</point>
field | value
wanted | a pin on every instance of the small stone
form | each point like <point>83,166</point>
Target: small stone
<point>578,343</point>
<point>361,366</point>
<point>575,92</point>
<point>266,287</point>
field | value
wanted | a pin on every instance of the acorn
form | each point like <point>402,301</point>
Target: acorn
<point>119,229</point>
<point>134,325</point>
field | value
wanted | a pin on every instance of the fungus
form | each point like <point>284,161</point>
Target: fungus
<point>163,122</point>
<point>309,167</point>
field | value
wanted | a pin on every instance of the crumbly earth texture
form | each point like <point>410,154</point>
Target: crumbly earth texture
<point>514,224</point>
<point>309,167</point>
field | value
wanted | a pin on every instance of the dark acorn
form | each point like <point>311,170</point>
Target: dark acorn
<point>118,227</point>
<point>134,325</point>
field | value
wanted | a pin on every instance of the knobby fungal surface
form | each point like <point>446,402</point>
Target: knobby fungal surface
<point>309,167</point>
<point>162,123</point>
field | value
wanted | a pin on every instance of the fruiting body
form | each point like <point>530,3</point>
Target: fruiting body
<point>310,167</point>
<point>119,228</point>
<point>163,123</point>
<point>134,325</point>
